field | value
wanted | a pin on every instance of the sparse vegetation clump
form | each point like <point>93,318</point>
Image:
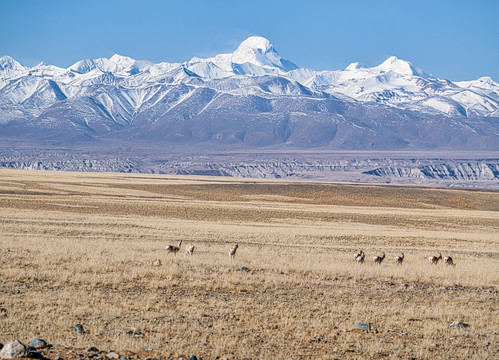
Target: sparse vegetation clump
<point>89,250</point>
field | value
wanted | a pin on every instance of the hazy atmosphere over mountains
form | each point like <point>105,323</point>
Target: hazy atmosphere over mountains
<point>249,98</point>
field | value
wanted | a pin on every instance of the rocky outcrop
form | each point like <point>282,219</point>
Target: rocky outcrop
<point>446,171</point>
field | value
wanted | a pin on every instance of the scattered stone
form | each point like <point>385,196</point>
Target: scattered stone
<point>364,326</point>
<point>149,348</point>
<point>458,324</point>
<point>405,286</point>
<point>79,329</point>
<point>156,262</point>
<point>403,332</point>
<point>245,269</point>
<point>13,350</point>
<point>92,349</point>
<point>3,312</point>
<point>390,330</point>
<point>113,355</point>
<point>195,358</point>
<point>134,333</point>
<point>37,344</point>
<point>445,288</point>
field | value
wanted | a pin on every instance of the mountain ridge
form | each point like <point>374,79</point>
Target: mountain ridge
<point>252,96</point>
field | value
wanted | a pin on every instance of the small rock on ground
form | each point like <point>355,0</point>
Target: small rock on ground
<point>79,328</point>
<point>13,350</point>
<point>364,326</point>
<point>458,324</point>
<point>37,344</point>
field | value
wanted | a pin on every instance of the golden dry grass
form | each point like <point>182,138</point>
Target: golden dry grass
<point>80,248</point>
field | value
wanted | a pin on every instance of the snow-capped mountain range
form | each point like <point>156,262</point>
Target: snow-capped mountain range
<point>251,96</point>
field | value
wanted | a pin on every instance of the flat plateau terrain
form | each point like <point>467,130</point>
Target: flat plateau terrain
<point>83,248</point>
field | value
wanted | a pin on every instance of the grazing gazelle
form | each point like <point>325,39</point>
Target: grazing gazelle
<point>434,259</point>
<point>189,250</point>
<point>379,259</point>
<point>232,252</point>
<point>357,254</point>
<point>173,249</point>
<point>448,261</point>
<point>360,258</point>
<point>399,259</point>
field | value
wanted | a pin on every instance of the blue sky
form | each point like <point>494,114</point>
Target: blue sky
<point>456,40</point>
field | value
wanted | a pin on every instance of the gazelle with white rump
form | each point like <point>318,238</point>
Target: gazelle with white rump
<point>173,249</point>
<point>379,259</point>
<point>448,261</point>
<point>232,252</point>
<point>358,253</point>
<point>434,259</point>
<point>399,259</point>
<point>189,250</point>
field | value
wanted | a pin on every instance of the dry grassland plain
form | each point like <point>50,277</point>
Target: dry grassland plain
<point>83,248</point>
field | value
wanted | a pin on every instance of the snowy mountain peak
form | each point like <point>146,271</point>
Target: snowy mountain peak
<point>400,67</point>
<point>256,43</point>
<point>85,66</point>
<point>487,80</point>
<point>128,65</point>
<point>259,51</point>
<point>121,60</point>
<point>354,66</point>
<point>8,63</point>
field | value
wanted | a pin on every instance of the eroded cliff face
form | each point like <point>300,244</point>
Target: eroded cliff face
<point>389,168</point>
<point>443,171</point>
